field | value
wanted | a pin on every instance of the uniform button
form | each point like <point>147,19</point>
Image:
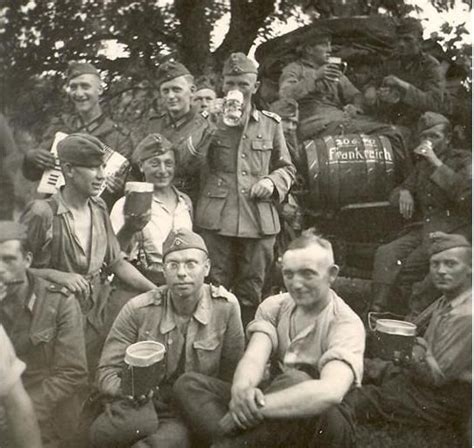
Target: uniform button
<point>243,156</point>
<point>259,136</point>
<point>427,219</point>
<point>243,190</point>
<point>244,173</point>
<point>244,137</point>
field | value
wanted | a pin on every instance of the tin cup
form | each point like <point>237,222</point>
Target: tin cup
<point>138,197</point>
<point>338,63</point>
<point>144,367</point>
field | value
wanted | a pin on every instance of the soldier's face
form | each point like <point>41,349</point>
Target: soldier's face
<point>437,136</point>
<point>13,266</point>
<point>408,45</point>
<point>87,181</point>
<point>204,98</point>
<point>84,91</point>
<point>451,270</point>
<point>246,82</point>
<point>185,271</point>
<point>308,274</point>
<point>159,170</point>
<point>177,95</point>
<point>319,52</point>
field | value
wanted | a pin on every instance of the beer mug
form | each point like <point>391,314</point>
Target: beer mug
<point>233,108</point>
<point>138,198</point>
<point>144,368</point>
<point>339,64</point>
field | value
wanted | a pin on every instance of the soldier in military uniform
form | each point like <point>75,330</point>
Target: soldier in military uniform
<point>436,197</point>
<point>84,90</point>
<point>72,240</point>
<point>249,171</point>
<point>199,325</point>
<point>44,323</point>
<point>188,128</point>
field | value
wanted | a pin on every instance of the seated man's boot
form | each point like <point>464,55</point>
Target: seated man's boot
<point>380,297</point>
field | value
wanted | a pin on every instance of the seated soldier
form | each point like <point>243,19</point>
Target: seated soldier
<point>72,240</point>
<point>316,343</point>
<point>198,324</point>
<point>434,388</point>
<point>409,83</point>
<point>20,419</point>
<point>44,323</point>
<point>437,195</point>
<point>84,88</point>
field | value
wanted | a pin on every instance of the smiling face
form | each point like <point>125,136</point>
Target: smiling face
<point>185,271</point>
<point>84,91</point>
<point>160,170</point>
<point>308,274</point>
<point>451,270</point>
<point>177,95</point>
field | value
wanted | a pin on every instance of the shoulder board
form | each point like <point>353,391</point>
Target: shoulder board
<point>157,117</point>
<point>204,114</point>
<point>219,292</point>
<point>276,117</point>
<point>154,297</point>
<point>122,129</point>
<point>59,289</point>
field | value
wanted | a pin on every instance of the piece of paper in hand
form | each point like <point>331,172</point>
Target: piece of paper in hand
<point>53,179</point>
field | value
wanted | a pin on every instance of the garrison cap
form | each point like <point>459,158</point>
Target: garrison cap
<point>440,241</point>
<point>204,83</point>
<point>286,108</point>
<point>170,70</point>
<point>152,145</point>
<point>80,68</point>
<point>182,239</point>
<point>238,64</point>
<point>410,25</point>
<point>10,230</point>
<point>430,119</point>
<point>82,150</point>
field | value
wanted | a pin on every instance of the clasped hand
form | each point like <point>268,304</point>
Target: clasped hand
<point>263,189</point>
<point>245,406</point>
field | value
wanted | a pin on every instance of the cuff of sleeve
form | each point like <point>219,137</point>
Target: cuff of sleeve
<point>436,372</point>
<point>443,176</point>
<point>262,326</point>
<point>349,358</point>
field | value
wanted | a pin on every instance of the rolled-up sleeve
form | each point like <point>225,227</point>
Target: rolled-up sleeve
<point>346,343</point>
<point>11,367</point>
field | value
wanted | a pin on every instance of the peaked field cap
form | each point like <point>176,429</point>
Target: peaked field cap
<point>152,145</point>
<point>430,119</point>
<point>182,239</point>
<point>238,64</point>
<point>440,241</point>
<point>82,150</point>
<point>170,70</point>
<point>80,68</point>
<point>410,25</point>
<point>10,230</point>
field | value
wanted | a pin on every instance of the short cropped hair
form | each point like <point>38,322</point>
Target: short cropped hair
<point>310,238</point>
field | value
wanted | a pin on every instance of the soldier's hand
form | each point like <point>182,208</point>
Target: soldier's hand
<point>351,110</point>
<point>76,283</point>
<point>263,189</point>
<point>114,184</point>
<point>427,152</point>
<point>136,223</point>
<point>245,406</point>
<point>406,203</point>
<point>393,81</point>
<point>388,95</point>
<point>41,158</point>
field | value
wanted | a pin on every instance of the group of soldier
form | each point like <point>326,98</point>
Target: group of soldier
<point>81,280</point>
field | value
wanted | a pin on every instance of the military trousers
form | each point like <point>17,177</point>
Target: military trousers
<point>204,401</point>
<point>240,264</point>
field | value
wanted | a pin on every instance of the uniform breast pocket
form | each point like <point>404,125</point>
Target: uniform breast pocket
<point>42,349</point>
<point>260,157</point>
<point>208,354</point>
<point>221,154</point>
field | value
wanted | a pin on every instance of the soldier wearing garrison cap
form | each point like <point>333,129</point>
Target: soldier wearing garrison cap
<point>198,323</point>
<point>141,237</point>
<point>44,323</point>
<point>434,389</point>
<point>249,172</point>
<point>186,127</point>
<point>435,197</point>
<point>84,88</point>
<point>205,95</point>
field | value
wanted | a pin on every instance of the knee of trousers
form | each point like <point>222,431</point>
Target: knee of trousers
<point>188,384</point>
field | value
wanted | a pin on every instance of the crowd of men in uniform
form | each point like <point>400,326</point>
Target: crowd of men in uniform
<point>81,280</point>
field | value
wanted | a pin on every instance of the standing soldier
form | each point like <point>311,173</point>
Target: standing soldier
<point>185,127</point>
<point>84,88</point>
<point>250,171</point>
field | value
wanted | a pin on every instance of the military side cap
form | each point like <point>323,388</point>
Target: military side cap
<point>152,145</point>
<point>80,68</point>
<point>204,83</point>
<point>430,119</point>
<point>82,150</point>
<point>10,230</point>
<point>440,241</point>
<point>237,64</point>
<point>170,70</point>
<point>286,108</point>
<point>410,25</point>
<point>182,239</point>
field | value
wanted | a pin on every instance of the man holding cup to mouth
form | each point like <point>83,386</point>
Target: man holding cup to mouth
<point>198,324</point>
